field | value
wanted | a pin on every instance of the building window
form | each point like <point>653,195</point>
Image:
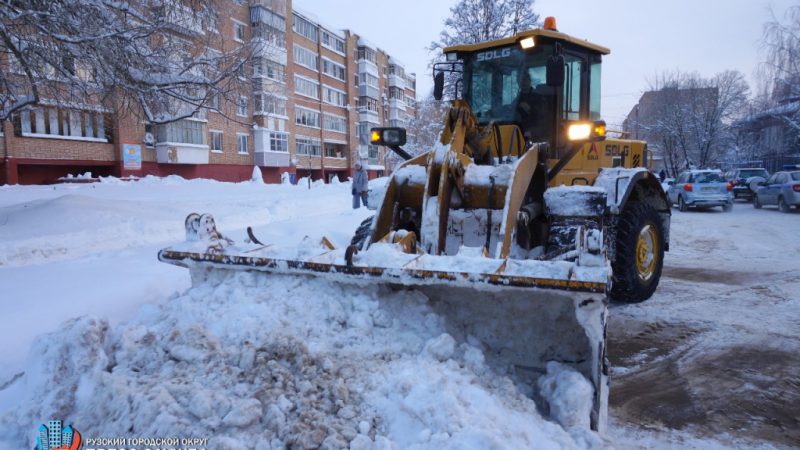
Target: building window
<point>305,57</point>
<point>279,142</point>
<point>241,107</point>
<point>334,150</point>
<point>269,69</point>
<point>238,31</point>
<point>334,96</point>
<point>182,132</point>
<point>304,86</point>
<point>241,143</point>
<point>216,141</point>
<point>306,146</point>
<point>368,79</point>
<point>307,117</point>
<point>333,69</point>
<point>332,42</point>
<point>214,102</point>
<point>46,122</point>
<point>335,123</point>
<point>368,103</point>
<point>270,104</point>
<point>366,53</point>
<point>397,93</point>
<point>373,152</point>
<point>304,28</point>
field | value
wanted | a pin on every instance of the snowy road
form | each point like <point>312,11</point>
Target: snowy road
<point>711,361</point>
<point>717,349</point>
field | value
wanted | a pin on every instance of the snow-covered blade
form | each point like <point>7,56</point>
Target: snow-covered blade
<point>524,313</point>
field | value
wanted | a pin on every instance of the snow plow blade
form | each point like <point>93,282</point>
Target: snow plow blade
<point>524,314</point>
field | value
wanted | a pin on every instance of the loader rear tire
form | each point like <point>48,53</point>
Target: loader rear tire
<point>362,233</point>
<point>639,256</point>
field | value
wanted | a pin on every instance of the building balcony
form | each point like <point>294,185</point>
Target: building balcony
<point>180,153</point>
<point>367,91</point>
<point>365,115</point>
<point>365,66</point>
<point>271,159</point>
<point>396,81</point>
<point>396,104</point>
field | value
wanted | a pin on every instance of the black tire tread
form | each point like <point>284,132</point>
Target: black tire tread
<point>362,233</point>
<point>626,286</point>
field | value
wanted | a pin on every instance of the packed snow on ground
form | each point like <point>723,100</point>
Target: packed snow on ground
<point>120,344</point>
<point>99,333</point>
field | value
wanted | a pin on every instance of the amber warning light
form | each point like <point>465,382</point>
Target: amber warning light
<point>550,23</point>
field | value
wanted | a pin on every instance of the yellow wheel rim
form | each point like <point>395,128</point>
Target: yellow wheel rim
<point>646,251</point>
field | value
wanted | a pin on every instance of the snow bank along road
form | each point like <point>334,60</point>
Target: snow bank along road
<point>710,361</point>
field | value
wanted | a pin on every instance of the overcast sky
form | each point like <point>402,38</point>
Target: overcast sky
<point>646,37</point>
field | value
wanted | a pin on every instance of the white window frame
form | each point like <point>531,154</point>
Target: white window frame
<point>300,54</point>
<point>278,136</point>
<point>334,117</point>
<point>246,137</point>
<point>236,25</point>
<point>308,141</point>
<point>211,134</point>
<point>307,80</point>
<point>334,64</point>
<point>242,102</point>
<point>323,32</point>
<point>342,96</point>
<point>299,110</point>
<point>305,25</point>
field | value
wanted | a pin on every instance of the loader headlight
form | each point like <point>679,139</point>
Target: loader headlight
<point>587,131</point>
<point>527,43</point>
<point>579,131</point>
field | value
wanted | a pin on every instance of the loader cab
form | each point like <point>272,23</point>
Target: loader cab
<point>539,80</point>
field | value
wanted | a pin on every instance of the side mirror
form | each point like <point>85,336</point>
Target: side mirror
<point>555,71</point>
<point>438,85</point>
<point>389,137</point>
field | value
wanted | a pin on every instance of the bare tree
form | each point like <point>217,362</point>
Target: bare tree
<point>160,59</point>
<point>690,117</point>
<point>424,129</point>
<point>473,21</point>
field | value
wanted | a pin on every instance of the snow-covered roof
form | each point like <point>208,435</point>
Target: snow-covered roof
<point>365,43</point>
<point>396,62</point>
<point>338,32</point>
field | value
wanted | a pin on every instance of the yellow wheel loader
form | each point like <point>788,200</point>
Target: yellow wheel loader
<point>519,227</point>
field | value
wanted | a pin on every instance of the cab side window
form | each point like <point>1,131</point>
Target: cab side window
<point>773,179</point>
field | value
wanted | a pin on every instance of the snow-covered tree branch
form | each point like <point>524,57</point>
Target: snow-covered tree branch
<point>161,59</point>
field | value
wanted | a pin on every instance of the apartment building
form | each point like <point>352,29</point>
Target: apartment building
<point>313,92</point>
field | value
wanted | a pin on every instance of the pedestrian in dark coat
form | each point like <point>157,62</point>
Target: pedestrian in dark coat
<point>360,185</point>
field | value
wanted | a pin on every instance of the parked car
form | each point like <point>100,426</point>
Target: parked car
<point>701,189</point>
<point>667,183</point>
<point>745,181</point>
<point>782,189</point>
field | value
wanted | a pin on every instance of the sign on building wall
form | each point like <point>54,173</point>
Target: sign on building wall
<point>131,156</point>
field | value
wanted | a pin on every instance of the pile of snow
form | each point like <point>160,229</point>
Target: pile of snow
<point>256,177</point>
<point>281,361</point>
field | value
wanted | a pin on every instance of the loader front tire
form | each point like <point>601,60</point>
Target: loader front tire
<point>362,233</point>
<point>639,255</point>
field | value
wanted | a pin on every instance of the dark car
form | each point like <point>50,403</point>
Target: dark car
<point>745,181</point>
<point>782,189</point>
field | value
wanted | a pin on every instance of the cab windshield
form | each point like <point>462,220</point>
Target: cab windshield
<point>496,76</point>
